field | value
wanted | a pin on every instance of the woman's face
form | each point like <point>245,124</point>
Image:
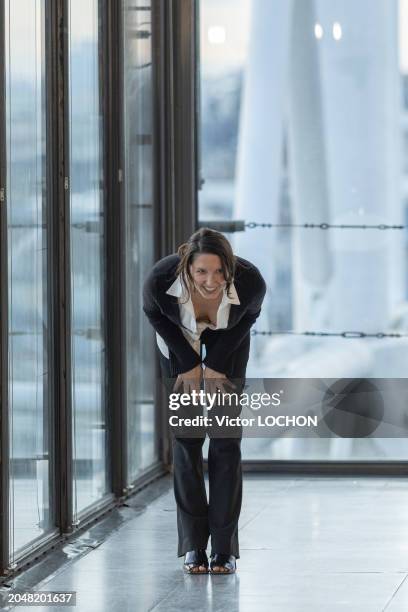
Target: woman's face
<point>207,274</point>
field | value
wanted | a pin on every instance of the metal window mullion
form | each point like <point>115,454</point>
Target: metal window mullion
<point>60,269</point>
<point>163,180</point>
<point>174,61</point>
<point>4,408</point>
<point>184,32</point>
<point>115,245</point>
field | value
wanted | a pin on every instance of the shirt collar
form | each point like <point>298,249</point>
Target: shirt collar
<point>177,290</point>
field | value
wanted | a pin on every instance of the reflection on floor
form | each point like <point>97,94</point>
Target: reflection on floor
<point>307,543</point>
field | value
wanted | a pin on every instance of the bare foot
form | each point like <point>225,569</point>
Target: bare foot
<point>198,569</point>
<point>220,569</point>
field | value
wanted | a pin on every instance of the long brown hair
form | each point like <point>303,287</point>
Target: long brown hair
<point>206,240</point>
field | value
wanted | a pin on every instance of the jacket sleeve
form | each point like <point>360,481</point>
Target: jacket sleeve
<point>229,340</point>
<point>171,333</point>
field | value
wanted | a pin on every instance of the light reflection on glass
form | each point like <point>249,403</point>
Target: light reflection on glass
<point>29,326</point>
<point>87,245</point>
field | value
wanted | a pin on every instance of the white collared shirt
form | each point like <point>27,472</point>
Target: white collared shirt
<point>190,328</point>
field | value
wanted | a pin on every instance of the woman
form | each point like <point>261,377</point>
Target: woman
<point>205,297</point>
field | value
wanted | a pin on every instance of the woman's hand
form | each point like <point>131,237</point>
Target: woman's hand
<point>217,380</point>
<point>190,380</point>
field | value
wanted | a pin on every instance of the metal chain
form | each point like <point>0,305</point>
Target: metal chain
<point>324,226</point>
<point>345,334</point>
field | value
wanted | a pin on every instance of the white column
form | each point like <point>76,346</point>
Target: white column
<point>360,83</point>
<point>259,155</point>
<point>312,261</point>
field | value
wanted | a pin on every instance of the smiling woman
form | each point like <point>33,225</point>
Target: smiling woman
<point>208,276</point>
<point>205,296</point>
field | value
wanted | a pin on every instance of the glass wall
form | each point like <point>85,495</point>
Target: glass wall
<point>87,244</point>
<point>29,320</point>
<point>56,92</point>
<point>303,121</point>
<point>140,341</point>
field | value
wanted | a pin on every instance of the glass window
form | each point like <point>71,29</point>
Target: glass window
<point>29,324</point>
<point>303,114</point>
<point>87,248</point>
<point>139,232</point>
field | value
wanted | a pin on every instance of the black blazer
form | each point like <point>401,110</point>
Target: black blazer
<point>162,310</point>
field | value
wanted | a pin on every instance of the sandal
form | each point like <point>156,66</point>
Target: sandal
<point>195,558</point>
<point>221,560</point>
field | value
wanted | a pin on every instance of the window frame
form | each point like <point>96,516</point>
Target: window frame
<point>4,424</point>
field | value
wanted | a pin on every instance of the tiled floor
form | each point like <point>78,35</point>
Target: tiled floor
<point>307,543</point>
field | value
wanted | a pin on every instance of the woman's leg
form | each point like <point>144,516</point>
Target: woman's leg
<point>190,494</point>
<point>225,478</point>
<point>225,469</point>
<point>188,480</point>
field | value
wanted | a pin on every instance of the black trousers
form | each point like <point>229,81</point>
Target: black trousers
<point>199,519</point>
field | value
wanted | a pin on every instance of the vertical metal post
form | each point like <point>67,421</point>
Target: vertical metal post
<point>4,427</point>
<point>115,231</point>
<point>174,46</point>
<point>175,120</point>
<point>184,21</point>
<point>163,184</point>
<point>59,184</point>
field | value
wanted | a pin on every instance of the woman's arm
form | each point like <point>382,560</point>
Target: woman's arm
<point>229,340</point>
<point>171,333</point>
